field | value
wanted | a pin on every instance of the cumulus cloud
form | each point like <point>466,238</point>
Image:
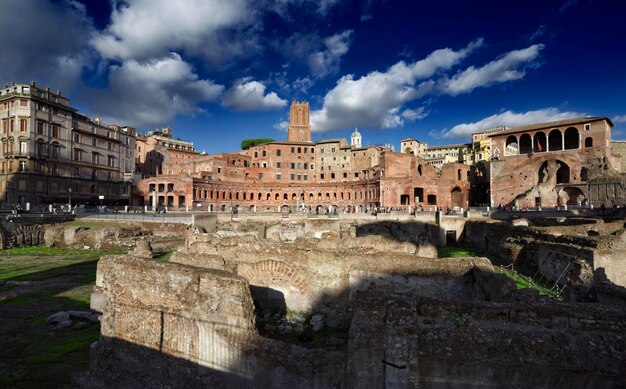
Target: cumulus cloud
<point>619,119</point>
<point>249,95</point>
<point>326,61</point>
<point>509,119</point>
<point>509,67</point>
<point>151,93</point>
<point>44,41</point>
<point>282,125</point>
<point>144,29</point>
<point>375,100</point>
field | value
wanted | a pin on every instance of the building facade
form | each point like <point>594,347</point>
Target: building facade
<point>298,174</point>
<point>52,154</point>
<point>563,163</point>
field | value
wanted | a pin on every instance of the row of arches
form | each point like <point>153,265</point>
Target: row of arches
<point>539,142</point>
<point>206,194</point>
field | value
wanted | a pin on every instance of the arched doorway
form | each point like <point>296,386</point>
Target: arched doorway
<point>456,197</point>
<point>588,142</point>
<point>571,196</point>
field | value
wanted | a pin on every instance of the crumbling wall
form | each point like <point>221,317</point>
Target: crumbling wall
<point>331,269</point>
<point>185,326</point>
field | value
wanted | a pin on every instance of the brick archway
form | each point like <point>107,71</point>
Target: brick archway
<point>271,280</point>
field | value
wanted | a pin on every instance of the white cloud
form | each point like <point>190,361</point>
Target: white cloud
<point>414,114</point>
<point>151,93</point>
<point>375,99</point>
<point>143,29</point>
<point>507,68</point>
<point>249,95</point>
<point>326,61</point>
<point>321,55</point>
<point>619,119</point>
<point>44,41</point>
<point>282,125</point>
<point>509,119</point>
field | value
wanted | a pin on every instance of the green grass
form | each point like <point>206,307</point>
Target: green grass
<point>524,282</point>
<point>41,355</point>
<point>457,252</point>
<point>54,349</point>
<point>163,255</point>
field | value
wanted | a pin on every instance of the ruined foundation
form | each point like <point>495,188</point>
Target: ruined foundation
<point>408,321</point>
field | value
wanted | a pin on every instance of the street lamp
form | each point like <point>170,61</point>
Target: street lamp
<point>69,201</point>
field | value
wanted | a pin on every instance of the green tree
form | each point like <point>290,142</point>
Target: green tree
<point>247,143</point>
<point>461,156</point>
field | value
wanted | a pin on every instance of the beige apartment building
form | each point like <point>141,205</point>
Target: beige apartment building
<point>52,154</point>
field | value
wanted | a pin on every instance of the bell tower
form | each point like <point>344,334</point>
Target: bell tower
<point>299,127</point>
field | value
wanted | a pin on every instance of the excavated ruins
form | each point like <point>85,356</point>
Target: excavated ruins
<point>364,304</point>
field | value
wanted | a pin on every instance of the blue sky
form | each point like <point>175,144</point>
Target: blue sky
<point>218,72</point>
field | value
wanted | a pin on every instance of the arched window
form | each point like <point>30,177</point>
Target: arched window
<point>540,143</point>
<point>458,174</point>
<point>419,169</point>
<point>572,139</point>
<point>525,144</point>
<point>584,174</point>
<point>555,140</point>
<point>512,147</point>
<point>588,142</point>
<point>562,175</point>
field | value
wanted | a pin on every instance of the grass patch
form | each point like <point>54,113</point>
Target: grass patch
<point>43,355</point>
<point>524,282</point>
<point>53,349</point>
<point>457,252</point>
<point>163,255</point>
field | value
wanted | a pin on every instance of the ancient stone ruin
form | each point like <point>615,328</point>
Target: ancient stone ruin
<point>332,304</point>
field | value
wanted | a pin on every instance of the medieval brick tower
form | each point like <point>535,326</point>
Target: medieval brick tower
<point>299,127</point>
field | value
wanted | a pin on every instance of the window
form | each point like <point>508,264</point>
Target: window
<point>111,161</point>
<point>299,165</point>
<point>56,131</point>
<point>260,176</point>
<point>23,147</point>
<point>40,127</point>
<point>77,138</point>
<point>312,166</point>
<point>24,125</point>
<point>22,166</point>
<point>264,153</point>
<point>293,165</point>
<point>305,177</point>
<point>76,171</point>
<point>76,155</point>
<point>292,150</point>
<point>94,175</point>
<point>278,153</point>
<point>278,165</point>
<point>95,158</point>
<point>345,175</point>
<point>305,165</point>
<point>305,150</point>
<point>332,176</point>
<point>299,150</point>
<point>587,127</point>
<point>110,146</point>
<point>278,176</point>
<point>293,176</point>
<point>256,154</point>
<point>94,142</point>
<point>322,176</point>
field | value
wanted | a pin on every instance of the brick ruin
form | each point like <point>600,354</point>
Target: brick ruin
<point>406,320</point>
